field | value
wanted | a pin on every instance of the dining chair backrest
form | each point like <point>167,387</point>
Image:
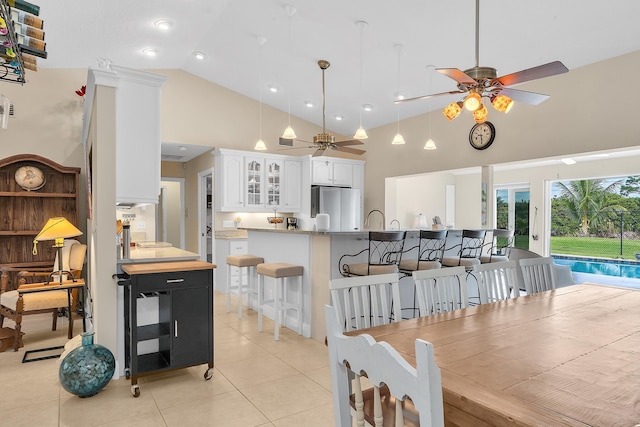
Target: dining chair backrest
<point>441,290</point>
<point>383,255</point>
<point>499,240</point>
<point>393,379</point>
<point>539,274</point>
<point>431,246</point>
<point>498,281</point>
<point>365,301</point>
<point>471,246</point>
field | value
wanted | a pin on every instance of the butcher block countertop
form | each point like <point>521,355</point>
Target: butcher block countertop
<point>166,267</point>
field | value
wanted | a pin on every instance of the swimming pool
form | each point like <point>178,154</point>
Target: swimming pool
<point>618,268</point>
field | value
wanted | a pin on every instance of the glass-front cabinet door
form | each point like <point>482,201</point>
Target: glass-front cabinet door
<point>274,183</point>
<point>255,183</point>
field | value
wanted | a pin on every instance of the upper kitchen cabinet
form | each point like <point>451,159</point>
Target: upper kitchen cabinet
<point>230,171</point>
<point>137,129</point>
<point>333,172</point>
<point>257,183</point>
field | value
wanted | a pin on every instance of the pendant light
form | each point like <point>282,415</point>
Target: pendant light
<point>260,145</point>
<point>361,133</point>
<point>398,139</point>
<point>289,132</point>
<point>430,144</point>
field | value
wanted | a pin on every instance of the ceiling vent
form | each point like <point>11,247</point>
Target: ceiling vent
<point>171,158</point>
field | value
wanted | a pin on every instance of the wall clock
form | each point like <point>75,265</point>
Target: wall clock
<point>30,178</point>
<point>482,135</point>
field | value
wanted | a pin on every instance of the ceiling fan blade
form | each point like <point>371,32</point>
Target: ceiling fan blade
<point>531,98</point>
<point>318,152</point>
<point>539,72</point>
<point>350,150</point>
<point>457,75</point>
<point>350,142</point>
<point>453,92</point>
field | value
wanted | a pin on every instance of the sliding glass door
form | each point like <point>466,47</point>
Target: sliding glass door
<point>512,212</point>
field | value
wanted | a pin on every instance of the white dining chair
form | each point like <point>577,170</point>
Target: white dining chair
<point>393,379</point>
<point>498,281</point>
<point>441,290</point>
<point>539,274</point>
<point>365,301</point>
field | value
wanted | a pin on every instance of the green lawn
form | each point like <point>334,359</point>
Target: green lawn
<point>595,247</point>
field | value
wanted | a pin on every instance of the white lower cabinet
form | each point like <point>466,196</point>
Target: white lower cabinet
<point>224,248</point>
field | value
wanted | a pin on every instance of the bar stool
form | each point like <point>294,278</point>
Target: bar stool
<point>241,261</point>
<point>279,272</point>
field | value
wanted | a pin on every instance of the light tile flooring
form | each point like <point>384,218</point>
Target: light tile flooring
<point>257,382</point>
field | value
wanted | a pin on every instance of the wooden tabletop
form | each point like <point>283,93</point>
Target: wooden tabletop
<point>166,267</point>
<point>564,357</point>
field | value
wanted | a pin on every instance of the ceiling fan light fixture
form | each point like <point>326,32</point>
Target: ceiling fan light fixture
<point>361,134</point>
<point>260,145</point>
<point>398,139</point>
<point>430,145</point>
<point>289,133</point>
<point>473,101</point>
<point>452,110</point>
<point>480,115</point>
<point>502,103</point>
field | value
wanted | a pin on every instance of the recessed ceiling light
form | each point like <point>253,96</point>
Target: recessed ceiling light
<point>399,95</point>
<point>183,148</point>
<point>308,104</point>
<point>149,51</point>
<point>367,107</point>
<point>339,117</point>
<point>272,88</point>
<point>568,161</point>
<point>199,55</point>
<point>163,24</point>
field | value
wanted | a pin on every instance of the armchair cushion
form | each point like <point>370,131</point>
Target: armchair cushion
<point>35,301</point>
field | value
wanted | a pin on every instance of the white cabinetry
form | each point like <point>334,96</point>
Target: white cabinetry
<point>246,182</point>
<point>137,130</point>
<point>225,248</point>
<point>293,185</point>
<point>331,172</point>
<point>230,170</point>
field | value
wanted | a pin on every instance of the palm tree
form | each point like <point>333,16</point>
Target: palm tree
<point>586,200</point>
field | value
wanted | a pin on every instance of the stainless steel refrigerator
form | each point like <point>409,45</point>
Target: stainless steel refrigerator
<point>341,204</point>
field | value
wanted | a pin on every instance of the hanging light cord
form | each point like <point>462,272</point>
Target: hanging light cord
<point>290,53</point>
<point>430,101</point>
<point>361,31</point>
<point>399,47</point>
<point>260,88</point>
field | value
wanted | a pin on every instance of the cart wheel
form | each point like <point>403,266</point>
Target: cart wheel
<point>135,390</point>
<point>208,374</point>
<point>127,373</point>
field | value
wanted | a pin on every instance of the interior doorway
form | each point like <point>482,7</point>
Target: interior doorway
<point>205,215</point>
<point>170,221</point>
<point>512,211</point>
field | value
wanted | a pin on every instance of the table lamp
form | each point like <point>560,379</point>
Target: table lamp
<point>56,229</point>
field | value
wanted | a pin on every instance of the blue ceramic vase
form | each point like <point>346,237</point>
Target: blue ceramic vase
<point>87,369</point>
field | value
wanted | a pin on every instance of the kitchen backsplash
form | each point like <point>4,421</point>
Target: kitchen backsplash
<point>142,220</point>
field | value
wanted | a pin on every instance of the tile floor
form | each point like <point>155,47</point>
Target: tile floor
<point>257,382</point>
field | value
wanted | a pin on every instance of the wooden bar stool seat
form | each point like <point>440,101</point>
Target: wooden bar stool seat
<point>241,261</point>
<point>280,303</point>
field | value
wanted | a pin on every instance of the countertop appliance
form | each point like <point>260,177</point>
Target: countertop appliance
<point>292,223</point>
<point>342,204</point>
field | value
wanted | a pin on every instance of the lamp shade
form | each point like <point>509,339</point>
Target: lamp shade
<point>360,134</point>
<point>398,139</point>
<point>472,102</point>
<point>480,115</point>
<point>502,103</point>
<point>289,133</point>
<point>430,145</point>
<point>260,145</point>
<point>452,110</point>
<point>58,229</point>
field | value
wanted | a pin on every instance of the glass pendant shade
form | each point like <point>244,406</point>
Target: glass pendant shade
<point>502,103</point>
<point>398,139</point>
<point>361,134</point>
<point>480,115</point>
<point>430,145</point>
<point>452,110</point>
<point>260,146</point>
<point>472,102</point>
<point>289,133</point>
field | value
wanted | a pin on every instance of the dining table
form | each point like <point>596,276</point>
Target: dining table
<point>565,357</point>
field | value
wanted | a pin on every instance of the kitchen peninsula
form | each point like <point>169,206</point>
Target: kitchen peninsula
<point>319,253</point>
